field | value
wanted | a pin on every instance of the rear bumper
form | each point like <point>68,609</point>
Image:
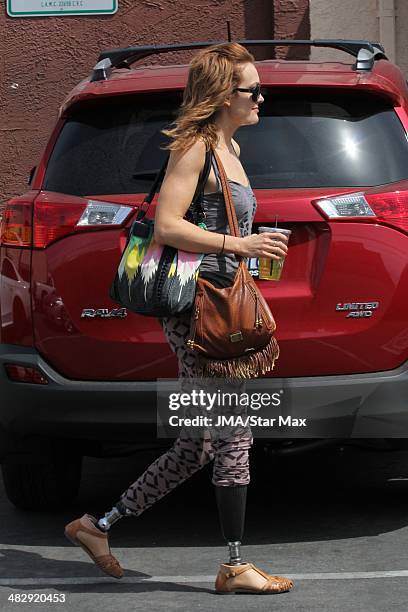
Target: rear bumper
<point>371,405</point>
<point>72,409</point>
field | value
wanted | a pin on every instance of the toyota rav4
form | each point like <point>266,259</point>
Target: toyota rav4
<point>327,160</point>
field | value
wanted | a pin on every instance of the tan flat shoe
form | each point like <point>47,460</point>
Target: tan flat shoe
<point>82,532</point>
<point>247,578</point>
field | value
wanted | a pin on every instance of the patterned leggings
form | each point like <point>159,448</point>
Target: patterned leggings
<point>189,453</point>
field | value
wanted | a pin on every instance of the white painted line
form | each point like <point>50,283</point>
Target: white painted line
<point>189,579</point>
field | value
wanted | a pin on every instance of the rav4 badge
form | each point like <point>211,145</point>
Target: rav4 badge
<point>105,313</point>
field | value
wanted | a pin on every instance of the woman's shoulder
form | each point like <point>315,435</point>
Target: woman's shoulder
<point>191,157</point>
<point>193,154</point>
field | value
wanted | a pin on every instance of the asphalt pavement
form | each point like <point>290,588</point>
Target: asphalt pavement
<point>334,520</point>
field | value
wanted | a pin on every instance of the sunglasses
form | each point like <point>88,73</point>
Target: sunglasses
<point>255,91</point>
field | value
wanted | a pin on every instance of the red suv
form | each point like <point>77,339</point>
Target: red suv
<point>328,158</point>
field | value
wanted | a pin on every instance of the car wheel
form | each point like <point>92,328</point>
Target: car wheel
<point>39,486</point>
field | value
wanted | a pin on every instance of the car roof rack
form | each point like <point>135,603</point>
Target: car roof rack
<point>365,51</point>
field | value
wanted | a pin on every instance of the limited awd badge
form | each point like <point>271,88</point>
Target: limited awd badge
<point>358,309</point>
<point>104,313</point>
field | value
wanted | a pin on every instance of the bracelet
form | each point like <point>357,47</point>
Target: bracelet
<point>223,244</point>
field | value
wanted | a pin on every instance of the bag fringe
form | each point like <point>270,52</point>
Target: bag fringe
<point>243,367</point>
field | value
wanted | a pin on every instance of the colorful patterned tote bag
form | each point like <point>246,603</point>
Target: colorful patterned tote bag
<point>159,280</point>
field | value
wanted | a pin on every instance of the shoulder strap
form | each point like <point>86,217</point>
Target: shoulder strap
<point>229,204</point>
<point>202,180</point>
<point>159,178</point>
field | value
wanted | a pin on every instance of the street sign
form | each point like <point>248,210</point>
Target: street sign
<point>44,8</point>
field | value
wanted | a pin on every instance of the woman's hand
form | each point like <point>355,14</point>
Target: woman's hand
<point>265,244</point>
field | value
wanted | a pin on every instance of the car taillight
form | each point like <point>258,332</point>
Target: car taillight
<point>348,206</point>
<point>55,215</point>
<point>52,220</point>
<point>21,227</point>
<point>390,207</point>
<point>16,224</point>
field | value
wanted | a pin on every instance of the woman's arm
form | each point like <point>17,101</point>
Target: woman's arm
<point>176,194</point>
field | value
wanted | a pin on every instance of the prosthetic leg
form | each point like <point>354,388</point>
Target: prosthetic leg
<point>231,503</point>
<point>118,511</point>
<point>237,576</point>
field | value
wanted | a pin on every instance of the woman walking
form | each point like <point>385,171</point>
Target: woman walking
<point>221,95</point>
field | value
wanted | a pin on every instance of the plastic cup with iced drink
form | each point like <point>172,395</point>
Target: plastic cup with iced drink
<point>271,269</point>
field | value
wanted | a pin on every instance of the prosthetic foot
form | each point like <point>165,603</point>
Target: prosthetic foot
<point>237,576</point>
<point>90,534</point>
<point>247,578</point>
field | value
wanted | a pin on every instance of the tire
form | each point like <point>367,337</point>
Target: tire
<point>39,486</point>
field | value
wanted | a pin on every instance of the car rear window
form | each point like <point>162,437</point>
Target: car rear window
<point>304,138</point>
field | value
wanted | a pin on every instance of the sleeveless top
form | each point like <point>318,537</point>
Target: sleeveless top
<point>221,269</point>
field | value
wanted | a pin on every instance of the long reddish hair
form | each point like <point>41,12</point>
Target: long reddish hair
<point>213,74</point>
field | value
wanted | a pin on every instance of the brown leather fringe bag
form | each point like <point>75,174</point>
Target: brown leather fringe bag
<point>232,328</point>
